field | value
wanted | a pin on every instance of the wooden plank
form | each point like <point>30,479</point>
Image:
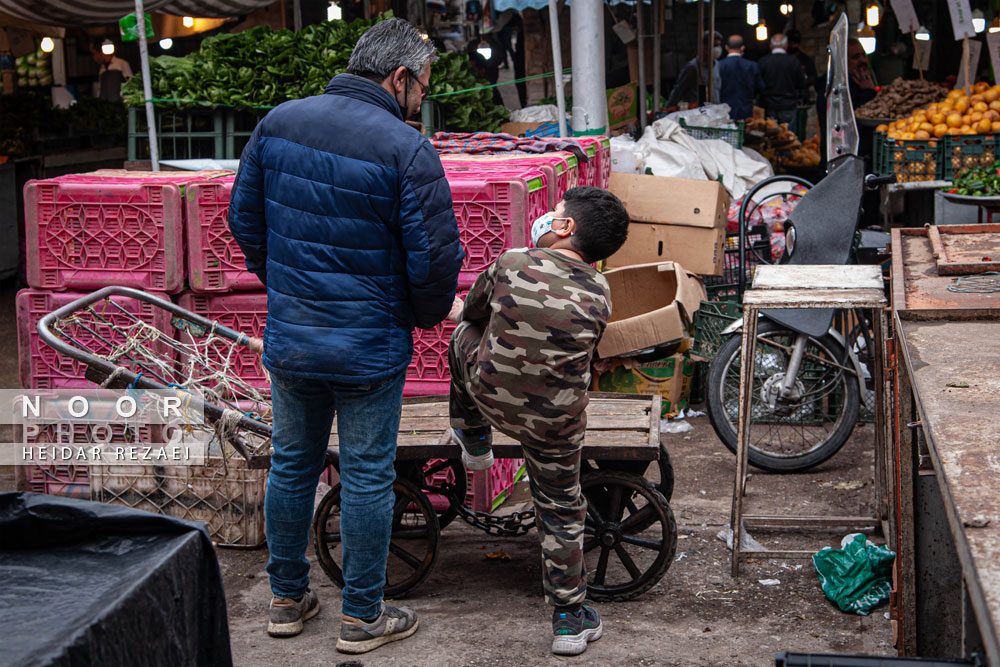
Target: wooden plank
<point>601,403</point>
<point>817,276</point>
<point>938,251</point>
<point>594,423</point>
<point>898,280</point>
<point>654,421</point>
<point>815,298</point>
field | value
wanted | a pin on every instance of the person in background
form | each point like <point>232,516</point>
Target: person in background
<point>686,87</point>
<point>344,213</point>
<point>740,80</point>
<point>784,81</point>
<point>860,81</point>
<point>113,71</point>
<point>808,62</point>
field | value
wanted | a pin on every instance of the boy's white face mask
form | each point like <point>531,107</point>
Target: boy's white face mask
<point>541,227</point>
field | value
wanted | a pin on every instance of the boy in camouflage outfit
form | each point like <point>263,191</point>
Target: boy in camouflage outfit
<point>520,362</point>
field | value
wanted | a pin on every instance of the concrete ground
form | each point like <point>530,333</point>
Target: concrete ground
<point>475,611</point>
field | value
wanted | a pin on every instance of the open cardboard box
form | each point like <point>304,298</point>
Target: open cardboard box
<point>651,304</point>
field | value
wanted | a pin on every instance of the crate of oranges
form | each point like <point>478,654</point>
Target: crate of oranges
<point>944,138</point>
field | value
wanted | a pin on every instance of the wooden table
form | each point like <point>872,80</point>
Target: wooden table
<point>947,449</point>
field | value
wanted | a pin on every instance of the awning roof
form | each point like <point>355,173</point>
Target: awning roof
<point>98,12</point>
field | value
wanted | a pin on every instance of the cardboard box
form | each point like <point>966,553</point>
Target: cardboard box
<point>519,129</point>
<point>702,250</point>
<point>669,377</point>
<point>651,304</point>
<point>672,201</point>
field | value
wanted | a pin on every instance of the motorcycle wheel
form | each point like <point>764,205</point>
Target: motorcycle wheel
<point>811,428</point>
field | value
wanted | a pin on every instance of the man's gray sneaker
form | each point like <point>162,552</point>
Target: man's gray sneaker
<point>572,630</point>
<point>392,624</point>
<point>285,615</point>
<point>477,447</point>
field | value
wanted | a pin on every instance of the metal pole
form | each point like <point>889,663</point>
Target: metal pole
<point>640,28</point>
<point>701,49</point>
<point>147,86</point>
<point>657,55</point>
<point>710,85</point>
<point>590,102</point>
<point>557,67</point>
<point>297,15</point>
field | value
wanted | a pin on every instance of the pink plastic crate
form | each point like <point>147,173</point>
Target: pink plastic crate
<point>41,367</point>
<point>245,312</point>
<point>179,178</point>
<point>494,214</point>
<point>74,480</point>
<point>89,233</point>
<point>555,178</point>
<point>428,373</point>
<point>597,171</point>
<point>490,487</point>
<point>214,259</point>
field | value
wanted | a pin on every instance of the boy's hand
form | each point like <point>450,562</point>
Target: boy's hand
<point>455,314</point>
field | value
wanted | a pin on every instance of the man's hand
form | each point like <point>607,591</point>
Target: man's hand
<point>861,76</point>
<point>418,125</point>
<point>455,314</point>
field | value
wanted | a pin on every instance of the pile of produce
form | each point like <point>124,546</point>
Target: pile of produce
<point>780,145</point>
<point>34,69</point>
<point>261,67</point>
<point>979,113</point>
<point>978,182</point>
<point>901,98</point>
<point>29,116</point>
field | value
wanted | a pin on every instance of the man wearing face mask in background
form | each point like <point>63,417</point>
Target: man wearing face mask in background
<point>686,87</point>
<point>344,213</point>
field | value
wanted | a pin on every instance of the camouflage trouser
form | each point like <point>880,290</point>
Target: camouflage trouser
<point>553,474</point>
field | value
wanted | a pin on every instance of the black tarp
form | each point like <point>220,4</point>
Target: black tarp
<point>83,583</point>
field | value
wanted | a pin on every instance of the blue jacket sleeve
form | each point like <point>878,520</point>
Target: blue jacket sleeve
<point>429,234</point>
<point>246,208</point>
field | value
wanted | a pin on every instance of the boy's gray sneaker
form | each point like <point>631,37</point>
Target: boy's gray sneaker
<point>392,624</point>
<point>285,615</point>
<point>572,630</point>
<point>477,447</point>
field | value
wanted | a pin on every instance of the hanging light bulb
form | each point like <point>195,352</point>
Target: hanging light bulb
<point>485,50</point>
<point>978,20</point>
<point>922,34</point>
<point>867,38</point>
<point>761,32</point>
<point>995,25</point>
<point>786,8</point>
<point>108,47</point>
<point>47,44</point>
<point>188,22</point>
<point>753,14</point>
<point>166,43</point>
<point>872,14</point>
<point>333,12</point>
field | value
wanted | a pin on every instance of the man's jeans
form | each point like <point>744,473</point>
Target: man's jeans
<point>368,422</point>
<point>785,116</point>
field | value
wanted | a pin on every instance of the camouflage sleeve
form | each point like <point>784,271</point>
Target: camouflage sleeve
<point>477,301</point>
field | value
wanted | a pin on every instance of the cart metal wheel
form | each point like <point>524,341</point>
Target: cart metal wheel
<point>665,485</point>
<point>413,546</point>
<point>443,480</point>
<point>622,561</point>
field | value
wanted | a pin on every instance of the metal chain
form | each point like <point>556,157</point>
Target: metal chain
<point>506,525</point>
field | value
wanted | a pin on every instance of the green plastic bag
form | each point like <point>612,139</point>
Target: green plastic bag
<point>128,25</point>
<point>858,576</point>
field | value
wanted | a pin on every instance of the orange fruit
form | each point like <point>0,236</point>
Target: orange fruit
<point>941,129</point>
<point>907,136</point>
<point>995,105</point>
<point>985,126</point>
<point>952,94</point>
<point>975,116</point>
<point>921,134</point>
<point>969,130</point>
<point>882,128</point>
<point>967,119</point>
<point>927,127</point>
<point>995,126</point>
<point>991,95</point>
<point>937,118</point>
<point>980,106</point>
<point>954,120</point>
<point>975,98</point>
<point>962,104</point>
<point>954,130</point>
<point>991,115</point>
<point>981,87</point>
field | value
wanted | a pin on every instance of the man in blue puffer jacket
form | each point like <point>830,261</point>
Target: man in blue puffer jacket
<point>344,213</point>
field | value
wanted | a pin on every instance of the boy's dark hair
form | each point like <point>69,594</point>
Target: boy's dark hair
<point>601,221</point>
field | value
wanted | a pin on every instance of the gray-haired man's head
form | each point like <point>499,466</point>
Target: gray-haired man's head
<point>779,41</point>
<point>395,55</point>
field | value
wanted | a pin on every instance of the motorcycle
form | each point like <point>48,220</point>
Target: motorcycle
<point>809,376</point>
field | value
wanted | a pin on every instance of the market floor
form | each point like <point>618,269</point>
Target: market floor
<point>475,611</point>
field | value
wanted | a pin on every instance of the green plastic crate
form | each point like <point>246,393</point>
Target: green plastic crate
<point>709,322</point>
<point>181,134</point>
<point>732,136</point>
<point>967,151</point>
<point>916,160</point>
